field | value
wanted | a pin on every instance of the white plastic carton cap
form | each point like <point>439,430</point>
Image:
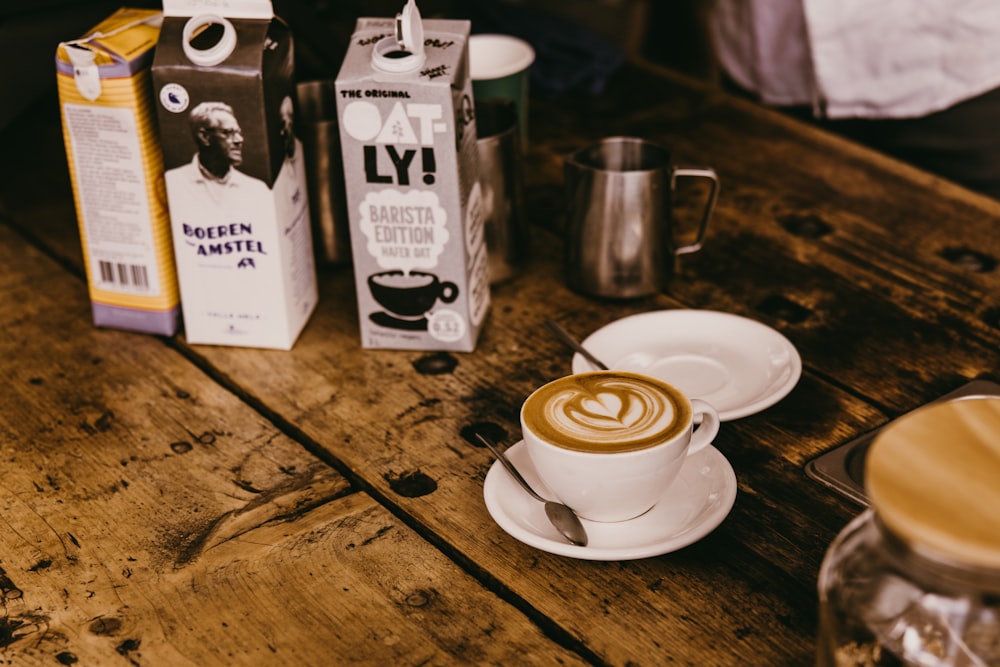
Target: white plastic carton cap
<point>404,51</point>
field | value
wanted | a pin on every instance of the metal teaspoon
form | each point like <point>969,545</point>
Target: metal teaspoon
<point>574,344</point>
<point>562,517</point>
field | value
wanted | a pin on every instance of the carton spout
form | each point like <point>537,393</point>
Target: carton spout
<point>85,72</point>
<point>404,51</point>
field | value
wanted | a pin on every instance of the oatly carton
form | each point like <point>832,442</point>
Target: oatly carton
<point>405,112</point>
<point>116,168</point>
<point>235,173</point>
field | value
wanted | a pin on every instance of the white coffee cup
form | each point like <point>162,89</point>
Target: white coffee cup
<point>609,443</point>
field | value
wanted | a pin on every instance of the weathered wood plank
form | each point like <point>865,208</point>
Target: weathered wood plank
<point>148,516</point>
<point>345,583</point>
<point>782,523</point>
<point>850,255</point>
<point>400,430</point>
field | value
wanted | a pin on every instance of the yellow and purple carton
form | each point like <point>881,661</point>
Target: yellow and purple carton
<point>116,168</point>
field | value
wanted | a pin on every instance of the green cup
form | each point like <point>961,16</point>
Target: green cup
<point>499,67</point>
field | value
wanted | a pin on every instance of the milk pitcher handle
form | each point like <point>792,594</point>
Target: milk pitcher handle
<point>695,172</point>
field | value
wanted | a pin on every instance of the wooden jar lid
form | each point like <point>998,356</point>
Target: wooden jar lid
<point>933,477</point>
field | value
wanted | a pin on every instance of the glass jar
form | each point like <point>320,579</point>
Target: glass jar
<point>915,579</point>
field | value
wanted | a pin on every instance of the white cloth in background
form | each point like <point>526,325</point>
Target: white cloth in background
<point>861,58</point>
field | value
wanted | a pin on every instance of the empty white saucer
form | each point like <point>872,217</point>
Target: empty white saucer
<point>738,365</point>
<point>692,507</point>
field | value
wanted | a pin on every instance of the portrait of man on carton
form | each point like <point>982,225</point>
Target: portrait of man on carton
<point>210,182</point>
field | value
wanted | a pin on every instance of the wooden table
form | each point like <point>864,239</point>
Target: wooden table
<point>170,504</point>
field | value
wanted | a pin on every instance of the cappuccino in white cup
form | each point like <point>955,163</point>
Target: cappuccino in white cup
<point>609,443</point>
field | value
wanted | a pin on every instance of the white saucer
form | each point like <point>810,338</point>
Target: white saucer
<point>738,365</point>
<point>693,506</point>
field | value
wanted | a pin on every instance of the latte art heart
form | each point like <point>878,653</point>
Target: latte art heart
<point>610,412</point>
<point>613,411</point>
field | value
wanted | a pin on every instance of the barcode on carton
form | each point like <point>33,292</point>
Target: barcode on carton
<point>125,277</point>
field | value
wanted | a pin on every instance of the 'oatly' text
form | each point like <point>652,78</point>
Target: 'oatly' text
<point>407,123</point>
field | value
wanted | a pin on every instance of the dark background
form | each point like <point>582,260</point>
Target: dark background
<point>668,32</point>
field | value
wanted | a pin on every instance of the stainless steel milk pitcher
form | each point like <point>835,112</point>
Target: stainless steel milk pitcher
<point>620,232</point>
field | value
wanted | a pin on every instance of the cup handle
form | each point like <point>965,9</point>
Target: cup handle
<point>694,172</point>
<point>706,431</point>
<point>449,292</point>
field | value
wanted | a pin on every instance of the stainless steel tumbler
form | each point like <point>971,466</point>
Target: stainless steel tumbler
<point>317,128</point>
<point>499,147</point>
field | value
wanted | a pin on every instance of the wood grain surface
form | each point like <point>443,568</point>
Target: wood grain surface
<point>150,516</point>
<point>882,276</point>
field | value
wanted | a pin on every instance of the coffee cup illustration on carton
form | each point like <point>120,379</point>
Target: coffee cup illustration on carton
<point>408,297</point>
<point>408,140</point>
